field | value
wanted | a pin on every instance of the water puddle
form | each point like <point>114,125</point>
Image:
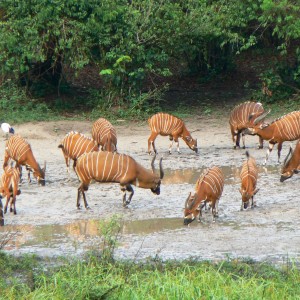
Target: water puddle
<point>83,231</point>
<point>231,173</point>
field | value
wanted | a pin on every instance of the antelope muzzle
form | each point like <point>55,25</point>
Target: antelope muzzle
<point>187,221</point>
<point>156,190</point>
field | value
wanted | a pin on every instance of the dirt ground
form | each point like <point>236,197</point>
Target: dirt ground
<point>49,223</point>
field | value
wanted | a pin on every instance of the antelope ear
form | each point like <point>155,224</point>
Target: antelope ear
<point>255,191</point>
<point>188,138</point>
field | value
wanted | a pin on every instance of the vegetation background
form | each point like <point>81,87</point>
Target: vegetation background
<point>124,58</point>
<point>129,59</point>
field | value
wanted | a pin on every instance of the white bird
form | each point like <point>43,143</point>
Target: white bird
<point>6,128</point>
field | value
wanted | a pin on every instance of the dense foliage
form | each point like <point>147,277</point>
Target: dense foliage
<point>134,45</point>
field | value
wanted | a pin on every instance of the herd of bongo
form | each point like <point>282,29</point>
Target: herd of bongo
<point>97,159</point>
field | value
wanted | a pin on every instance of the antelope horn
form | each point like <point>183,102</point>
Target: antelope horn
<point>152,163</point>
<point>161,171</point>
<point>287,157</point>
<point>261,117</point>
<point>186,201</point>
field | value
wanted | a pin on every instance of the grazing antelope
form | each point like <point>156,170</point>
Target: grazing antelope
<point>249,174</point>
<point>20,151</point>
<point>239,120</point>
<point>291,163</point>
<point>113,167</point>
<point>9,187</point>
<point>166,124</point>
<point>75,144</point>
<point>285,128</point>
<point>105,135</point>
<point>208,189</point>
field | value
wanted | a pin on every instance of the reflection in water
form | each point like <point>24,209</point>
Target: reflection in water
<point>52,236</point>
<point>191,175</point>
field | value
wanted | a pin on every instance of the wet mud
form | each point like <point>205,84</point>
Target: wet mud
<point>48,222</point>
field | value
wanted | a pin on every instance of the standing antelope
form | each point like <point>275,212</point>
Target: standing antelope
<point>208,189</point>
<point>105,135</point>
<point>20,151</point>
<point>239,120</point>
<point>291,163</point>
<point>166,124</point>
<point>249,174</point>
<point>9,187</point>
<point>75,144</point>
<point>113,167</point>
<point>285,128</point>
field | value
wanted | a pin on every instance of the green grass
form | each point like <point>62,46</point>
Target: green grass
<point>95,278</point>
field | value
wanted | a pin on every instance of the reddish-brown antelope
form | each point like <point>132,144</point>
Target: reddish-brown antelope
<point>168,125</point>
<point>291,163</point>
<point>105,135</point>
<point>239,120</point>
<point>285,128</point>
<point>75,144</point>
<point>113,167</point>
<point>9,187</point>
<point>19,150</point>
<point>249,175</point>
<point>209,188</point>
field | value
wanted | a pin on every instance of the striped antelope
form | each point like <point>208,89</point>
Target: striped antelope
<point>9,187</point>
<point>239,120</point>
<point>285,128</point>
<point>105,135</point>
<point>291,163</point>
<point>113,167</point>
<point>208,189</point>
<point>249,175</point>
<point>20,151</point>
<point>166,124</point>
<point>75,144</point>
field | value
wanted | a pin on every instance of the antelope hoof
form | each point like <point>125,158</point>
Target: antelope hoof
<point>178,152</point>
<point>260,147</point>
<point>11,210</point>
<point>87,208</point>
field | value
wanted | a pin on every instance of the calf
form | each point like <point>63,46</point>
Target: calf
<point>249,174</point>
<point>291,163</point>
<point>9,187</point>
<point>168,125</point>
<point>209,188</point>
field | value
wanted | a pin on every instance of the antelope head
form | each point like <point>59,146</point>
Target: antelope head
<point>40,175</point>
<point>192,208</point>
<point>192,143</point>
<point>256,123</point>
<point>247,195</point>
<point>157,179</point>
<point>288,170</point>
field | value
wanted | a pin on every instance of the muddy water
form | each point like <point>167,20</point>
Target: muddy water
<point>154,225</point>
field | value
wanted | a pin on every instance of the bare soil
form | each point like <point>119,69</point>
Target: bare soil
<point>153,225</point>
